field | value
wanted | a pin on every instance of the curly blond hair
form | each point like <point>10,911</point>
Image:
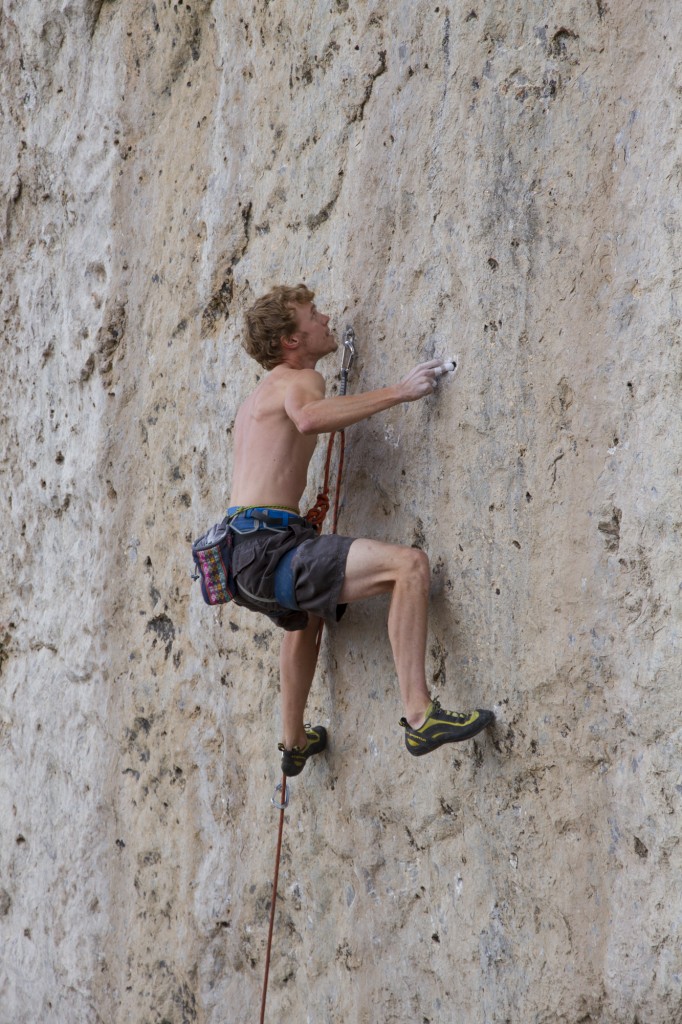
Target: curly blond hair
<point>272,317</point>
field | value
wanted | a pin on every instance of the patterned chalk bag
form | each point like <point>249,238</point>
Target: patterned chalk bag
<point>212,555</point>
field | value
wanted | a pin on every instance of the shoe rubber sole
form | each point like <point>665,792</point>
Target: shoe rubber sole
<point>438,735</point>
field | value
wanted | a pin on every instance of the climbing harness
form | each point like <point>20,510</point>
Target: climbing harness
<point>316,516</point>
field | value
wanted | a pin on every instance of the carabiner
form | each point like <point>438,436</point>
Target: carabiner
<point>348,348</point>
<point>285,802</point>
<point>348,356</point>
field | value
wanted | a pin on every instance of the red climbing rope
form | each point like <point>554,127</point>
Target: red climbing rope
<point>318,513</point>
<point>282,807</point>
<point>339,474</point>
<point>316,516</point>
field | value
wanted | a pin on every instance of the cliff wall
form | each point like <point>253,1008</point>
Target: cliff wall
<point>499,180</point>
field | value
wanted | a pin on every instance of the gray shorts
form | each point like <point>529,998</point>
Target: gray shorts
<point>318,567</point>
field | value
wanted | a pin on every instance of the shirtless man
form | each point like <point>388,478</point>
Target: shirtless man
<point>281,566</point>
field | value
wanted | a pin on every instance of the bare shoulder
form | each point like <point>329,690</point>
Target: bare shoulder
<point>306,383</point>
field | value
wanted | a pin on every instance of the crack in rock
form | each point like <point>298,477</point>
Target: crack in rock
<point>359,113</point>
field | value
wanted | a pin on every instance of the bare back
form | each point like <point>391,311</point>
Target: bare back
<point>271,456</point>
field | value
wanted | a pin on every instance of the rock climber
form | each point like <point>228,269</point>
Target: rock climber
<point>281,566</point>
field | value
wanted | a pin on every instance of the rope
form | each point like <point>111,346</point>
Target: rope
<point>274,898</point>
<point>318,513</point>
<point>339,475</point>
<point>316,516</point>
<point>323,501</point>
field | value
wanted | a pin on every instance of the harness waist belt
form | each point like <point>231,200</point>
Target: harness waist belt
<point>261,517</point>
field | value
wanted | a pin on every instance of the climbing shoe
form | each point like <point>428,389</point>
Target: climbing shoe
<point>444,727</point>
<point>293,761</point>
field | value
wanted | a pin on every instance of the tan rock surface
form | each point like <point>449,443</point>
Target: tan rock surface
<point>496,180</point>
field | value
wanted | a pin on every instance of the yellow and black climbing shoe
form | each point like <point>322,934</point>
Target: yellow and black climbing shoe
<point>444,727</point>
<point>293,761</point>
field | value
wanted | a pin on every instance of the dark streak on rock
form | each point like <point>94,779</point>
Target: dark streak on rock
<point>439,654</point>
<point>219,304</point>
<point>610,529</point>
<point>640,849</point>
<point>558,46</point>
<point>553,466</point>
<point>446,41</point>
<point>163,626</point>
<point>109,338</point>
<point>5,641</point>
<point>92,11</point>
<point>359,112</point>
<point>315,219</point>
<point>5,902</point>
<point>419,538</point>
<point>247,213</point>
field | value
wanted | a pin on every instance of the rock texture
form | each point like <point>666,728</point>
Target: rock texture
<point>499,180</point>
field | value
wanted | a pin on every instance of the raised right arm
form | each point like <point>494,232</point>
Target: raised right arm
<point>312,413</point>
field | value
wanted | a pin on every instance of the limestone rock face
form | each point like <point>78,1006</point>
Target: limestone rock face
<point>496,180</point>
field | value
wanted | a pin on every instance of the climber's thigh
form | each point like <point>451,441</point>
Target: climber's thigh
<point>373,567</point>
